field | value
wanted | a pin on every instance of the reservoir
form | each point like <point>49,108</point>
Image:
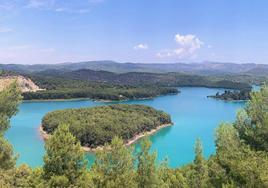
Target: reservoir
<point>193,114</point>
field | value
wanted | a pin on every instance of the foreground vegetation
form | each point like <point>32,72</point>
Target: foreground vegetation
<point>241,158</point>
<point>96,126</point>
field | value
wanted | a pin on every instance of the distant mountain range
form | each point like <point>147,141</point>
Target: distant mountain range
<point>204,68</point>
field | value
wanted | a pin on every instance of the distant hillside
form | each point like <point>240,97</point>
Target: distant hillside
<point>204,68</point>
<point>259,70</point>
<point>141,79</point>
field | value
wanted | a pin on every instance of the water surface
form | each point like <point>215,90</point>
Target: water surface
<point>194,116</point>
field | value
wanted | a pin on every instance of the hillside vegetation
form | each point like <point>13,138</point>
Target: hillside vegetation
<point>103,85</point>
<point>64,88</point>
<point>112,86</point>
<point>144,79</point>
<point>96,126</point>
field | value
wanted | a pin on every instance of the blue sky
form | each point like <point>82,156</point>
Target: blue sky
<point>142,31</point>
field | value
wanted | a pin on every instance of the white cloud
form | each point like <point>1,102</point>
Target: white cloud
<point>187,46</point>
<point>68,10</point>
<point>188,42</point>
<point>40,4</point>
<point>5,29</point>
<point>141,47</point>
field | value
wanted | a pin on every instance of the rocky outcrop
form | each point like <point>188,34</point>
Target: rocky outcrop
<point>26,84</point>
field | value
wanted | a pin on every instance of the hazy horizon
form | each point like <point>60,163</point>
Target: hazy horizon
<point>171,31</point>
<point>161,63</point>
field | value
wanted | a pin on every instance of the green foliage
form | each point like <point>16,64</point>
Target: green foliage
<point>171,178</point>
<point>7,158</point>
<point>147,176</point>
<point>252,123</point>
<point>99,125</point>
<point>15,177</point>
<point>242,165</point>
<point>64,161</point>
<point>228,95</point>
<point>197,172</point>
<point>200,167</point>
<point>9,100</point>
<point>104,85</point>
<point>65,88</point>
<point>59,78</point>
<point>114,166</point>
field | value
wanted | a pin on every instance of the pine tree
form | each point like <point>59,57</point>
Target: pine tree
<point>64,162</point>
<point>9,100</point>
<point>114,166</point>
<point>198,174</point>
<point>147,170</point>
<point>252,123</point>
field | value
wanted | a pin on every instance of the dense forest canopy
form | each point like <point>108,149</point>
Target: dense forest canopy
<point>60,88</point>
<point>240,160</point>
<point>99,125</point>
<point>112,86</point>
<point>104,85</point>
<point>142,78</point>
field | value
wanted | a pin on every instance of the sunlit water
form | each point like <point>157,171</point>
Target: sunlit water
<point>194,116</point>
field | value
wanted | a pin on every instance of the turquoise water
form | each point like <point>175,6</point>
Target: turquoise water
<point>194,116</point>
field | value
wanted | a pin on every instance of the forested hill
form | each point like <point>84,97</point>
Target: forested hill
<point>141,79</point>
<point>105,85</point>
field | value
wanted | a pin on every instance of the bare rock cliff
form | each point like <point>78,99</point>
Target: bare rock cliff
<point>26,84</point>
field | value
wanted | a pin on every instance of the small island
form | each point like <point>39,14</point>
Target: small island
<point>237,95</point>
<point>95,126</point>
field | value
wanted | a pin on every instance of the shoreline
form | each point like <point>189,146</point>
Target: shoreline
<point>226,100</point>
<point>129,142</point>
<point>98,100</point>
<point>85,99</point>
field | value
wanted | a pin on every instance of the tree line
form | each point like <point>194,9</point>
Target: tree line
<point>240,159</point>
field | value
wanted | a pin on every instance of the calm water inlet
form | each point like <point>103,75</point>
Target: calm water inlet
<point>194,116</point>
